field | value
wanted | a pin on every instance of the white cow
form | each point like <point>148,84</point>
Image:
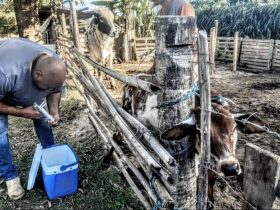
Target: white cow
<point>100,36</point>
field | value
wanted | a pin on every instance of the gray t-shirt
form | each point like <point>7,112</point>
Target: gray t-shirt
<point>16,85</point>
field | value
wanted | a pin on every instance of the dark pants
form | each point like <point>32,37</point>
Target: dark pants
<point>44,133</point>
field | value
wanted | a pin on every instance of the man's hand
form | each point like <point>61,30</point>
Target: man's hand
<point>30,113</point>
<point>55,122</point>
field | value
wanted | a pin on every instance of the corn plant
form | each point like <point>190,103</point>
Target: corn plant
<point>249,20</point>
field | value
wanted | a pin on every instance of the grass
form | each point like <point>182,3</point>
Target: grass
<point>98,188</point>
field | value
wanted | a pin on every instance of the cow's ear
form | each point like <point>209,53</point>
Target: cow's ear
<point>248,123</point>
<point>179,131</point>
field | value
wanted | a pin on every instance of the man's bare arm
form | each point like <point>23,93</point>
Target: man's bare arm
<point>53,101</point>
<point>27,112</point>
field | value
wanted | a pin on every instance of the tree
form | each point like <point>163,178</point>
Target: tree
<point>28,19</point>
<point>7,20</point>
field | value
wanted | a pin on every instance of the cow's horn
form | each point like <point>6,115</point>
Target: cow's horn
<point>191,120</point>
<point>231,102</point>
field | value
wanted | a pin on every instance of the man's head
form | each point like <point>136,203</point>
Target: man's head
<point>49,73</point>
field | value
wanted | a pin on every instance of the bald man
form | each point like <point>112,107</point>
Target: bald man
<point>174,7</point>
<point>28,73</point>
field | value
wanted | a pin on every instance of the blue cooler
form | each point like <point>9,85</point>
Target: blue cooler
<point>60,171</point>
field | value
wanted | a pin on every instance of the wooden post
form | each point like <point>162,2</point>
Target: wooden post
<point>175,53</point>
<point>204,88</point>
<point>216,33</point>
<point>63,31</point>
<point>261,177</point>
<point>63,23</point>
<point>75,28</point>
<point>212,50</point>
<point>125,48</point>
<point>235,52</point>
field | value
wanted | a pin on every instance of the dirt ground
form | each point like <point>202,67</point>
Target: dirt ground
<point>256,93</point>
<point>252,93</point>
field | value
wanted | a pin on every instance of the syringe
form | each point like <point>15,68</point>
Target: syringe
<point>43,112</point>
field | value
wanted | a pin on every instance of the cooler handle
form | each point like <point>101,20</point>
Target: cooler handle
<point>64,167</point>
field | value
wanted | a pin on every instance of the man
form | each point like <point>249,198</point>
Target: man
<point>174,7</point>
<point>28,73</point>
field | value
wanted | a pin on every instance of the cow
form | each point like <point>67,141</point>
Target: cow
<point>100,35</point>
<point>223,132</point>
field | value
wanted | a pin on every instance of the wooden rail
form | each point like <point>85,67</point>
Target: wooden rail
<point>144,45</point>
<point>256,54</point>
<point>276,56</point>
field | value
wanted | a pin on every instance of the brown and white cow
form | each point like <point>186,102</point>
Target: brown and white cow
<point>100,36</point>
<point>223,132</point>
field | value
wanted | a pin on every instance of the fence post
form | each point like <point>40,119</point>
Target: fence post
<point>204,90</point>
<point>261,177</point>
<point>235,52</point>
<point>212,50</point>
<point>63,23</point>
<point>75,28</point>
<point>175,52</point>
<point>215,38</point>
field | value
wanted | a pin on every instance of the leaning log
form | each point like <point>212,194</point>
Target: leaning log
<point>167,159</point>
<point>176,73</point>
<point>142,152</point>
<point>133,81</point>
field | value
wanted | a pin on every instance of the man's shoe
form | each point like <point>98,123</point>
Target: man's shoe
<point>15,190</point>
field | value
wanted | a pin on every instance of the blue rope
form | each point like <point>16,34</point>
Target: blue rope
<point>182,98</point>
<point>220,99</point>
<point>157,205</point>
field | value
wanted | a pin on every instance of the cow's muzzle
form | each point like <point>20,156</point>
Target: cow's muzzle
<point>114,34</point>
<point>229,167</point>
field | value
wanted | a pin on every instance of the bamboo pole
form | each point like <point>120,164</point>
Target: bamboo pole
<point>204,88</point>
<point>106,135</point>
<point>133,81</point>
<point>162,153</point>
<point>96,121</point>
<point>166,199</point>
<point>235,52</point>
<point>142,152</point>
<point>132,184</point>
<point>75,29</point>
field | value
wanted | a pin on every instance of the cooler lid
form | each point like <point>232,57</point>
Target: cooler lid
<point>34,166</point>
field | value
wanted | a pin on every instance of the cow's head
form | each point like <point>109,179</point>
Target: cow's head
<point>103,20</point>
<point>223,134</point>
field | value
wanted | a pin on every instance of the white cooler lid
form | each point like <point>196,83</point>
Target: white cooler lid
<point>34,166</point>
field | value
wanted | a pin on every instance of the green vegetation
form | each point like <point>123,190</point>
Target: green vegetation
<point>7,20</point>
<point>249,20</point>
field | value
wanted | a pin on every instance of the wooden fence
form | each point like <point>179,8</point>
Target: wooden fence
<point>256,54</point>
<point>225,48</point>
<point>144,46</point>
<point>276,56</point>
<point>253,54</point>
